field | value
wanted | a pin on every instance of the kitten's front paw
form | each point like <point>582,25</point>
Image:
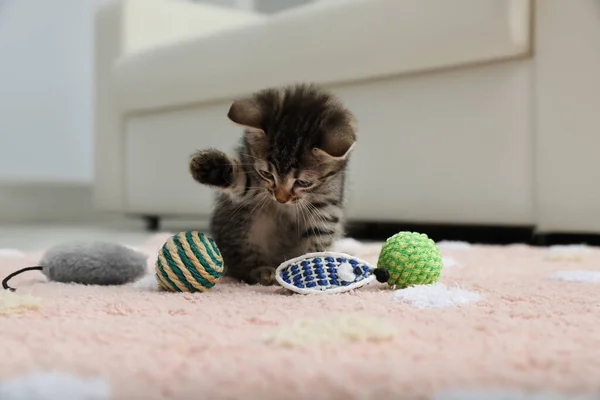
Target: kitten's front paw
<point>211,167</point>
<point>263,276</point>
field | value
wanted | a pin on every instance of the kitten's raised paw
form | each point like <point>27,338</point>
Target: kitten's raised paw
<point>211,167</point>
<point>263,276</point>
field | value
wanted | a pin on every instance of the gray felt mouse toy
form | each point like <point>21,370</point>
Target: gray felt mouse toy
<point>93,263</point>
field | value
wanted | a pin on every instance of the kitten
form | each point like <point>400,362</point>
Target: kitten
<point>281,195</point>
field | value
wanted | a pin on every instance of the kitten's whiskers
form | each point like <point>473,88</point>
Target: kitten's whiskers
<point>316,213</point>
<point>242,204</point>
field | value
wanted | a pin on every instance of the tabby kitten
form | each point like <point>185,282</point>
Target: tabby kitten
<point>281,195</point>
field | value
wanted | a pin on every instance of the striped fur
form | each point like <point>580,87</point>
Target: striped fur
<point>282,193</point>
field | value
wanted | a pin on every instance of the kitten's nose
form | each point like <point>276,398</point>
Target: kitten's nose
<point>282,195</point>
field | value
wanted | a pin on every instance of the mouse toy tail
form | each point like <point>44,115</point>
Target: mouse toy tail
<point>9,277</point>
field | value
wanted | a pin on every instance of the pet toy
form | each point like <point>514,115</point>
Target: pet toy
<point>189,262</point>
<point>408,258</point>
<point>324,272</point>
<point>94,263</point>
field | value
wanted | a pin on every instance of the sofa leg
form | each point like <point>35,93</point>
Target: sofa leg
<point>152,223</point>
<point>541,240</point>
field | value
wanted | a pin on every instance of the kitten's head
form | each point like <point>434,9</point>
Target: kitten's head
<point>298,139</point>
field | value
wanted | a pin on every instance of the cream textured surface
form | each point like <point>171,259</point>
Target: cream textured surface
<point>12,303</point>
<point>525,332</point>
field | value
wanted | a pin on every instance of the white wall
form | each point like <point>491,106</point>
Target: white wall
<point>46,90</point>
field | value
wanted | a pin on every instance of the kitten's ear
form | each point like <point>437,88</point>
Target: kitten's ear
<point>246,112</point>
<point>337,144</point>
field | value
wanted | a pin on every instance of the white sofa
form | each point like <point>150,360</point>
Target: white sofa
<point>469,111</point>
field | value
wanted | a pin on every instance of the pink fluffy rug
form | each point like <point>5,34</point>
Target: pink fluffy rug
<point>503,321</point>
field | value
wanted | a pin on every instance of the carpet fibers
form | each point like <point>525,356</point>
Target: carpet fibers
<point>506,322</point>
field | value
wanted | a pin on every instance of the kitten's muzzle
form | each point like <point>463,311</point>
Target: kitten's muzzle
<point>282,196</point>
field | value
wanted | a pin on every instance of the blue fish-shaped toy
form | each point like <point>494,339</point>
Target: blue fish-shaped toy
<point>324,272</point>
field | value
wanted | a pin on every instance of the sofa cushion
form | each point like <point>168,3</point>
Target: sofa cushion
<point>149,24</point>
<point>328,42</point>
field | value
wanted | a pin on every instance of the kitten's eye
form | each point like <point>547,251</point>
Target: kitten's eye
<point>303,184</point>
<point>266,175</point>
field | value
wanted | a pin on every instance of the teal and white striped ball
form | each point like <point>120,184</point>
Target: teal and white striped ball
<point>189,262</point>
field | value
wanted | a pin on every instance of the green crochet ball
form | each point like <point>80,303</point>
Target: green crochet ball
<point>407,259</point>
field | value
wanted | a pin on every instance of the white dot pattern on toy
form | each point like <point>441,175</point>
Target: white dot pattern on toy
<point>346,272</point>
<point>324,272</point>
